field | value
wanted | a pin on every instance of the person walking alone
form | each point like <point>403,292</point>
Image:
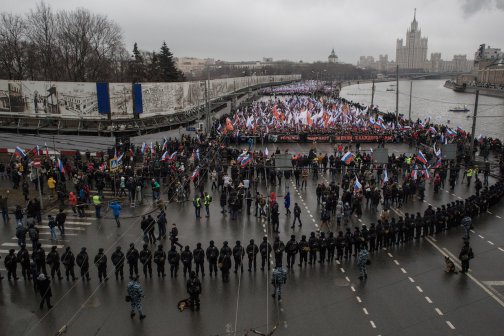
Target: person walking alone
<point>135,294</point>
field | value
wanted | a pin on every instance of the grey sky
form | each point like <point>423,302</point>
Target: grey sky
<point>295,29</point>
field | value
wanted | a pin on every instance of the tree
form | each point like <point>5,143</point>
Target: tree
<point>137,66</point>
<point>169,73</point>
<point>13,45</point>
<point>153,69</point>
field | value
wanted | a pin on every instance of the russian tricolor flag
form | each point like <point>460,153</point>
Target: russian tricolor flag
<point>19,152</point>
<point>426,172</point>
<point>164,156</point>
<point>60,166</point>
<point>195,174</point>
<point>246,160</point>
<point>173,156</point>
<point>421,157</point>
<point>357,185</point>
<point>144,145</point>
<point>347,158</point>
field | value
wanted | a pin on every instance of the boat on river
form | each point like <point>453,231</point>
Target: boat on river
<point>459,109</point>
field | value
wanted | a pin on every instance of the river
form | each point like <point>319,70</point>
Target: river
<point>431,99</point>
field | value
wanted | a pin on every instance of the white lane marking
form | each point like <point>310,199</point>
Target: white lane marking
<point>469,275</point>
<point>425,201</point>
<point>311,216</point>
<point>352,288</point>
<point>373,324</point>
<point>472,231</point>
<point>390,255</point>
<point>459,197</point>
<point>313,219</point>
<point>365,311</point>
<point>447,191</point>
<point>338,262</point>
<point>454,195</point>
<point>501,249</point>
<point>359,299</point>
<point>342,270</point>
<point>403,270</point>
<point>419,289</point>
<point>489,242</point>
<point>450,325</point>
<point>46,246</point>
<point>308,211</point>
<point>494,283</point>
<point>498,216</point>
<point>439,311</point>
<point>488,212</point>
<point>347,279</point>
<point>360,220</point>
<point>396,262</point>
<point>428,299</point>
<point>481,236</point>
<point>411,279</point>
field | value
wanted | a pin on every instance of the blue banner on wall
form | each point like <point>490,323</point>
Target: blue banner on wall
<point>102,93</point>
<point>137,98</point>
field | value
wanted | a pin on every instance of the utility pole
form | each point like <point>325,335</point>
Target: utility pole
<point>207,103</point>
<point>410,93</point>
<point>397,94</point>
<point>475,114</point>
<point>372,93</point>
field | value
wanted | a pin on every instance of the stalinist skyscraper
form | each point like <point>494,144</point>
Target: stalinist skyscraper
<point>413,55</point>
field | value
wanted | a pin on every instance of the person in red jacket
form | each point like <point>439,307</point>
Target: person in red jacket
<point>72,200</point>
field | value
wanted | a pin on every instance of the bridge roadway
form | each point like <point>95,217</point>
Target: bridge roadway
<point>407,292</point>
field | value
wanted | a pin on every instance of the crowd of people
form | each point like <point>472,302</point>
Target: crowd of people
<point>235,176</point>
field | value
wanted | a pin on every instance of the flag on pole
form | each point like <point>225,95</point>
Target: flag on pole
<point>144,145</point>
<point>421,157</point>
<point>266,152</point>
<point>195,174</point>
<point>60,166</point>
<point>173,156</point>
<point>347,158</point>
<point>19,152</point>
<point>246,160</point>
<point>46,149</point>
<point>357,185</point>
<point>164,156</point>
<point>385,177</point>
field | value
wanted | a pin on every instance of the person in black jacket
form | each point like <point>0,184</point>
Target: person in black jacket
<point>68,260</point>
<point>146,260</point>
<point>23,257</point>
<point>10,263</point>
<point>238,254</point>
<point>304,248</point>
<point>186,257</point>
<point>297,215</point>
<point>193,286</point>
<point>465,255</point>
<point>292,249</point>
<point>44,288</point>
<point>82,261</point>
<point>313,243</point>
<point>278,249</point>
<point>132,257</point>
<point>212,255</point>
<point>159,259</point>
<point>117,259</point>
<point>53,260</point>
<point>39,258</point>
<point>199,259</point>
<point>173,260</point>
<point>265,249</point>
<point>100,261</point>
<point>225,266</point>
<point>252,250</point>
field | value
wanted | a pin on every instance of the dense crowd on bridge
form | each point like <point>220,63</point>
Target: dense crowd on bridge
<point>192,169</point>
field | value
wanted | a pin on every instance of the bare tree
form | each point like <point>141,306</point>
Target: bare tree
<point>13,46</point>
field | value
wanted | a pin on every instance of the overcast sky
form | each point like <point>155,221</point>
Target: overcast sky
<point>294,29</point>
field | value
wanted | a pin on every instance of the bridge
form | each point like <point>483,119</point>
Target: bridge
<point>429,75</point>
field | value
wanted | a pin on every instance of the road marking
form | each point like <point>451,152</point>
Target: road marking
<point>488,212</point>
<point>403,270</point>
<point>372,324</point>
<point>439,311</point>
<point>501,249</point>
<point>358,299</point>
<point>459,197</point>
<point>43,245</point>
<point>494,283</point>
<point>347,279</point>
<point>428,299</point>
<point>454,195</point>
<point>342,270</point>
<point>498,216</point>
<point>450,325</point>
<point>481,236</point>
<point>311,216</point>
<point>390,255</point>
<point>308,211</point>
<point>338,262</point>
<point>489,242</point>
<point>425,201</point>
<point>446,191</point>
<point>472,231</point>
<point>352,288</point>
<point>411,279</point>
<point>396,262</point>
<point>365,311</point>
<point>419,289</point>
<point>470,276</point>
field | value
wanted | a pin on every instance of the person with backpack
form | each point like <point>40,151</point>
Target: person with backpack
<point>53,260</point>
<point>207,199</point>
<point>100,262</point>
<point>82,261</point>
<point>193,286</point>
<point>292,249</point>
<point>159,259</point>
<point>52,227</point>
<point>116,210</point>
<point>19,215</point>
<point>60,221</point>
<point>212,254</point>
<point>43,285</point>
<point>23,258</point>
<point>68,260</point>
<point>146,260</point>
<point>132,257</point>
<point>297,215</point>
<point>21,235</point>
<point>117,259</point>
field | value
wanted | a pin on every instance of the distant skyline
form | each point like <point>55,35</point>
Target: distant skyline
<point>238,30</point>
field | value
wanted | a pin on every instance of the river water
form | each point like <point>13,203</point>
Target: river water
<point>431,99</point>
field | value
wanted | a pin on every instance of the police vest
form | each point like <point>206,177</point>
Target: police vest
<point>96,200</point>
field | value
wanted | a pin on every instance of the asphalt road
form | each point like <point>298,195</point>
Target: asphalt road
<point>407,292</point>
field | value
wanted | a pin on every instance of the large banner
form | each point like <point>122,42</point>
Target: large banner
<point>80,100</point>
<point>327,138</point>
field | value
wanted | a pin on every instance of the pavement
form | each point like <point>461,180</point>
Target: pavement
<point>407,292</point>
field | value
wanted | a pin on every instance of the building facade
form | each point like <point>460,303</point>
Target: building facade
<point>412,54</point>
<point>332,57</point>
